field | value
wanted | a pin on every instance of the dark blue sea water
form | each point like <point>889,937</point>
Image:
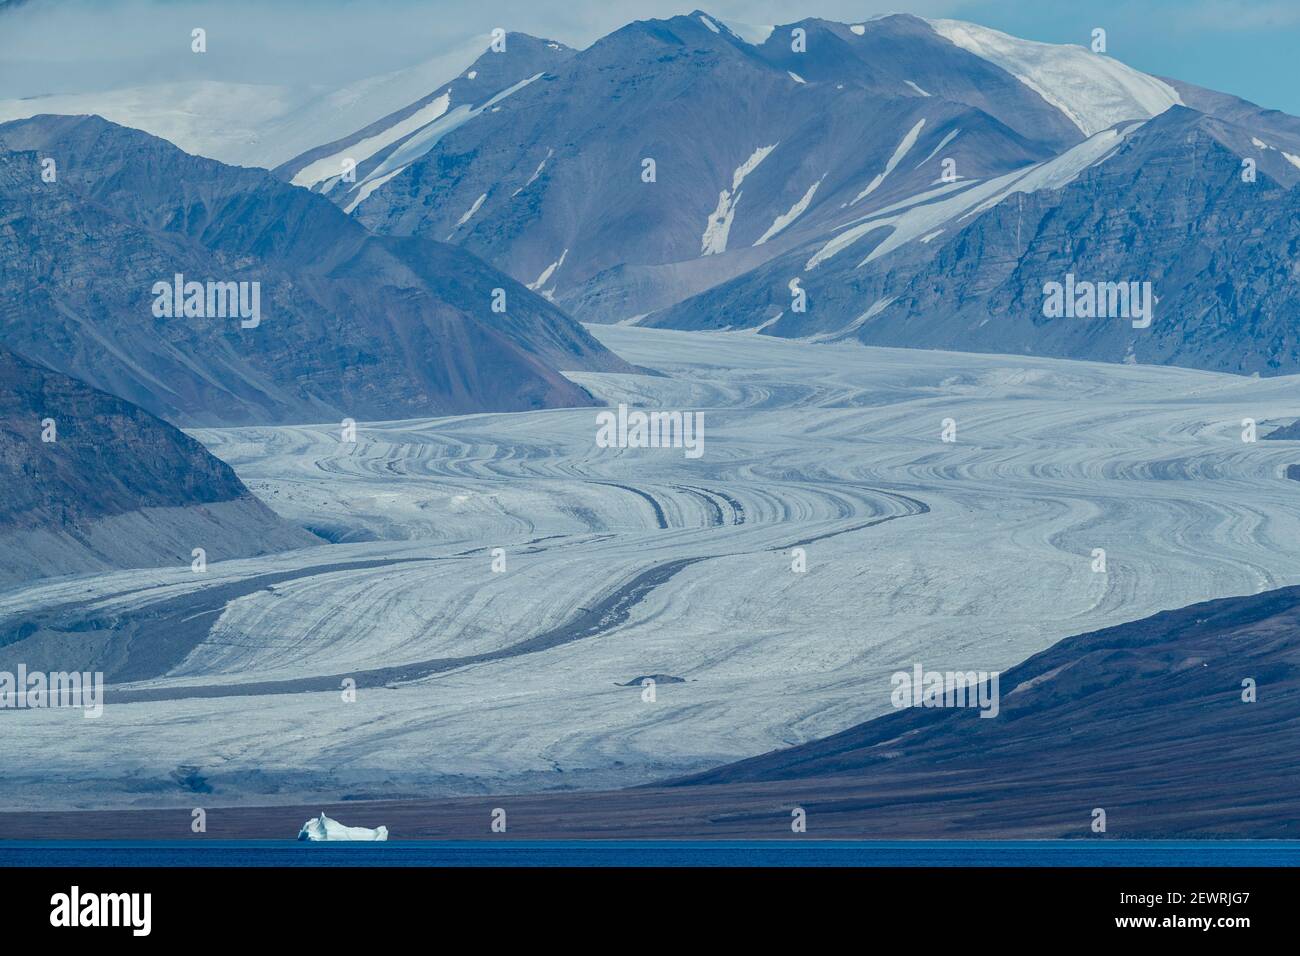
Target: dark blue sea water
<point>1108,853</point>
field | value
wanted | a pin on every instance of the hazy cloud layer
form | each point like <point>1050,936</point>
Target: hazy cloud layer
<point>1244,47</point>
<point>72,45</point>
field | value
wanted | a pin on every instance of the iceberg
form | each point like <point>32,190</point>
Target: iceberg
<point>322,829</point>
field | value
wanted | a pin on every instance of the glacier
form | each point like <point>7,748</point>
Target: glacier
<point>623,562</point>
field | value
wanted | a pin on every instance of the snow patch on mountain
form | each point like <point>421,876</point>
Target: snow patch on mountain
<point>1064,169</point>
<point>908,201</point>
<point>425,138</point>
<point>549,271</point>
<point>367,187</point>
<point>842,241</point>
<point>1053,174</point>
<point>536,172</point>
<point>880,305</point>
<point>952,134</point>
<point>362,150</point>
<point>920,219</point>
<point>714,240</point>
<point>1092,90</point>
<point>469,213</point>
<point>790,215</point>
<point>900,151</point>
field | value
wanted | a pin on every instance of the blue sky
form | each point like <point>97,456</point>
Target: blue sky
<point>1251,49</point>
<point>1237,46</point>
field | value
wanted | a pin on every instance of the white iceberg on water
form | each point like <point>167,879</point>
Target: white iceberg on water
<point>322,828</point>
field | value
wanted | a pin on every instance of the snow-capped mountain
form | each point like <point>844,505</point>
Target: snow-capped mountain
<point>684,172</point>
<point>351,168</point>
<point>747,137</point>
<point>347,324</point>
<point>811,123</point>
<point>918,182</point>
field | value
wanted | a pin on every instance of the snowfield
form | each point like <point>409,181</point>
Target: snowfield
<point>1092,90</point>
<point>618,563</point>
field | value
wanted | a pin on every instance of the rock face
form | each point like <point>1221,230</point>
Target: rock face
<point>351,325</point>
<point>113,486</point>
<point>1163,203</point>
